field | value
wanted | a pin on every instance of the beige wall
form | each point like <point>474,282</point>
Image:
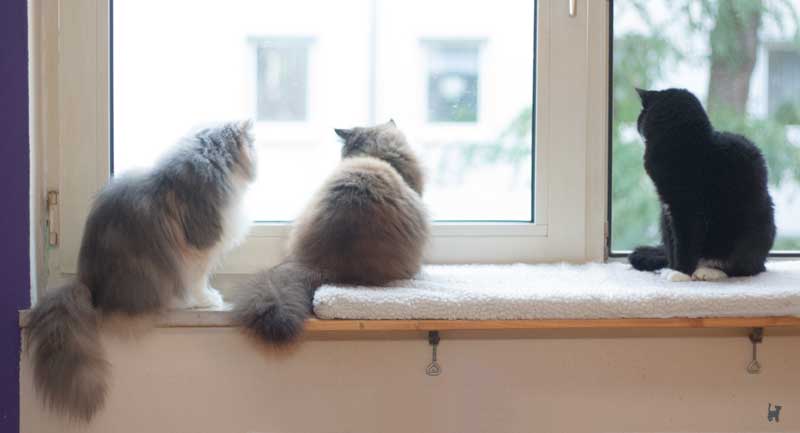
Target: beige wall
<point>214,380</point>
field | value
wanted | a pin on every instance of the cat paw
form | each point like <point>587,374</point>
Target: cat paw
<point>209,298</point>
<point>675,276</point>
<point>708,274</point>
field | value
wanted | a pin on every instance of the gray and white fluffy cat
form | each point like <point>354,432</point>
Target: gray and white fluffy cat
<point>149,244</point>
<point>366,225</point>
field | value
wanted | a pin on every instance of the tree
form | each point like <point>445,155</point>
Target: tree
<point>734,45</point>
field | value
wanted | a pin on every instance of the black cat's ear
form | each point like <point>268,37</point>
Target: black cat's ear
<point>644,96</point>
<point>344,134</point>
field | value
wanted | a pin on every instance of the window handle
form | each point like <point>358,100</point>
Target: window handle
<point>573,8</point>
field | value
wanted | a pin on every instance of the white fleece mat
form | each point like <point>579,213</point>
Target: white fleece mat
<point>562,291</point>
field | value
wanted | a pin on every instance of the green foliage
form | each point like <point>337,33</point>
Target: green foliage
<point>638,61</point>
<point>788,113</point>
<point>512,147</point>
<point>786,243</point>
<point>783,158</point>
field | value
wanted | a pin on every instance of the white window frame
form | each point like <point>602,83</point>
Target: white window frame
<point>571,144</point>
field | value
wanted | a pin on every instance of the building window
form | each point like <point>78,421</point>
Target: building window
<point>784,85</point>
<point>453,81</point>
<point>282,79</point>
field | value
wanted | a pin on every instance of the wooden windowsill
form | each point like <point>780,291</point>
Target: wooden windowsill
<point>223,319</point>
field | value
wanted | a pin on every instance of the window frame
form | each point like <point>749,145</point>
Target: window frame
<point>570,145</point>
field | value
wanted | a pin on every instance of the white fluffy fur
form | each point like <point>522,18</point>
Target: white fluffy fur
<point>562,291</point>
<point>707,270</point>
<point>236,223</point>
<point>708,274</point>
<point>674,276</point>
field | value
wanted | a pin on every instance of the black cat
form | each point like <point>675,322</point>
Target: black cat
<point>717,215</point>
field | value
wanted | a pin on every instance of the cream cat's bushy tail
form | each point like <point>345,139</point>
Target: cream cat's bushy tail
<point>277,301</point>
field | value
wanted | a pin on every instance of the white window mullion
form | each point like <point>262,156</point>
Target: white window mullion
<point>597,146</point>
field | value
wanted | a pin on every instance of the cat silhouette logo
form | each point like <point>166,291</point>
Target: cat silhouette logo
<point>774,414</point>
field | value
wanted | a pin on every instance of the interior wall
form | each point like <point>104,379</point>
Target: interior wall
<point>216,380</point>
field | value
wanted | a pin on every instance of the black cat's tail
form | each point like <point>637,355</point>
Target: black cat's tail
<point>648,258</point>
<point>275,304</point>
<point>69,366</point>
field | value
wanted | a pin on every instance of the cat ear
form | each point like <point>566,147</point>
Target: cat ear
<point>344,133</point>
<point>246,125</point>
<point>644,96</point>
<point>244,131</point>
<point>391,122</point>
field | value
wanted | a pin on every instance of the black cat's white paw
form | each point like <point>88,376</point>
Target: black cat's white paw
<point>708,274</point>
<point>675,276</point>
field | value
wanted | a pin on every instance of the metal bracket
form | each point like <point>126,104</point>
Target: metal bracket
<point>52,218</point>
<point>756,337</point>
<point>434,369</point>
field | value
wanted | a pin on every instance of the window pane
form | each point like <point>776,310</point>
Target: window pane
<point>456,76</point>
<point>749,82</point>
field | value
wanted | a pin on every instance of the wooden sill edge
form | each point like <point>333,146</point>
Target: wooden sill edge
<point>223,319</point>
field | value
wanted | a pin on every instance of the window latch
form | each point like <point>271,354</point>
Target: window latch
<point>573,8</point>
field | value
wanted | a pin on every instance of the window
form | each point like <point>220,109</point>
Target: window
<point>512,172</point>
<point>281,79</point>
<point>741,59</point>
<point>784,84</point>
<point>363,67</point>
<point>452,81</point>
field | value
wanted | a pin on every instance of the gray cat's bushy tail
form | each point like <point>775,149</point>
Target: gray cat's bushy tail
<point>69,366</point>
<point>276,303</point>
<point>648,258</point>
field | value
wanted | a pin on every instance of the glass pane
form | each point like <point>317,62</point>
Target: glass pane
<point>456,76</point>
<point>742,59</point>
